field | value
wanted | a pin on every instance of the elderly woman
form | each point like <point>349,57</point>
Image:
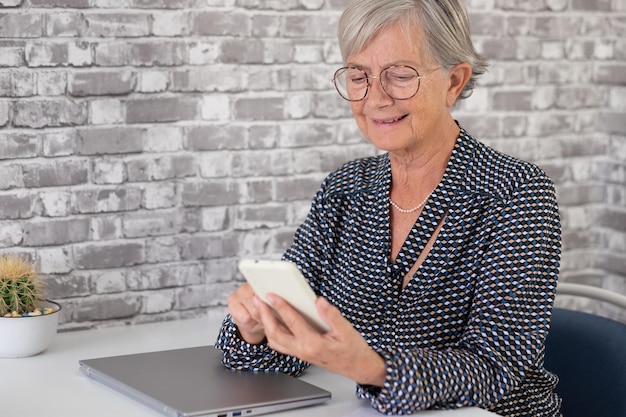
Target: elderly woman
<point>435,262</point>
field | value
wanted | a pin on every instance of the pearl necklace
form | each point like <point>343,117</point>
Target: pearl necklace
<point>401,210</point>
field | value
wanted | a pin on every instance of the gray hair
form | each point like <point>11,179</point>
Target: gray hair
<point>444,23</point>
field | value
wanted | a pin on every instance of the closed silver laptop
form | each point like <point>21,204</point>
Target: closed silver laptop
<point>193,382</point>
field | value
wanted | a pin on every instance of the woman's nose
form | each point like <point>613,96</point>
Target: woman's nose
<point>377,94</point>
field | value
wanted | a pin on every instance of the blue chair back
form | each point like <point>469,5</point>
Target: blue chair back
<point>588,354</point>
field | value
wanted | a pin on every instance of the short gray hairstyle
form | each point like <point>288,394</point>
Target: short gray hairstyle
<point>444,23</point>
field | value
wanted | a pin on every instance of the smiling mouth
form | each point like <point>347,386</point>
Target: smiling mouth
<point>390,121</point>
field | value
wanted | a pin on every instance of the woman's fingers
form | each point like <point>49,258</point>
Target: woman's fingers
<point>245,314</point>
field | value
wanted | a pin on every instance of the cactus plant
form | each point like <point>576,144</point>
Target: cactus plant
<point>21,288</point>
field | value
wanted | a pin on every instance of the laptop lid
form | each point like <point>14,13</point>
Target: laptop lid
<point>193,382</point>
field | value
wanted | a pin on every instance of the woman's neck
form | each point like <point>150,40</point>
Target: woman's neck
<point>417,173</point>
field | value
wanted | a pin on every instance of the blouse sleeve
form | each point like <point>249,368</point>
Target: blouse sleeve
<point>502,343</point>
<point>244,356</point>
<point>240,355</point>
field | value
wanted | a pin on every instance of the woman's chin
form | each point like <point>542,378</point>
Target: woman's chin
<point>390,144</point>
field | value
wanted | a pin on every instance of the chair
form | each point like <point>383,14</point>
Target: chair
<point>588,354</point>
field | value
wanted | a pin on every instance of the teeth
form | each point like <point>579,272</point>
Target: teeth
<point>392,120</point>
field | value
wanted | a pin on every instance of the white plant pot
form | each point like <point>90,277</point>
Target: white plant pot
<point>28,336</point>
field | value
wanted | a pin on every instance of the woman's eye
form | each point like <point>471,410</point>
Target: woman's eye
<point>401,78</point>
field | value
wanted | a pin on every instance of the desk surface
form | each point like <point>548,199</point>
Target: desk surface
<point>50,384</point>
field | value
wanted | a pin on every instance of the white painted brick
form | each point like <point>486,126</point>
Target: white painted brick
<point>151,223</point>
<point>160,167</point>
<point>203,295</point>
<point>586,122</point>
<point>209,125</point>
<point>106,227</point>
<point>163,139</point>
<point>298,210</point>
<point>24,84</point>
<point>18,205</point>
<point>210,78</point>
<point>262,79</point>
<point>57,231</point>
<point>11,177</point>
<point>476,103</point>
<point>153,81</point>
<point>55,203</point>
<point>582,170</point>
<point>118,306</point>
<point>556,5</point>
<point>49,113</point>
<point>11,233</point>
<point>544,97</point>
<point>306,134</point>
<point>579,218</point>
<point>215,164</point>
<point>80,54</point>
<point>54,260</point>
<point>110,4</point>
<point>263,137</point>
<point>618,98</point>
<point>12,56</point>
<point>109,281</point>
<point>307,53</point>
<point>215,107</point>
<point>312,4</point>
<point>221,270</point>
<point>4,113</point>
<point>101,83</point>
<point>159,195</point>
<point>165,276</point>
<point>604,49</point>
<point>163,249</point>
<point>10,3</point>
<point>105,255</point>
<point>332,54</point>
<point>157,302</point>
<point>65,24</point>
<point>108,171</point>
<point>481,4</point>
<point>307,162</point>
<point>170,23</point>
<point>125,24</point>
<point>203,53</point>
<point>298,106</point>
<point>60,142</point>
<point>221,3</point>
<point>617,146</point>
<point>106,111</point>
<point>616,242</point>
<point>552,50</point>
<point>215,219</point>
<point>51,83</point>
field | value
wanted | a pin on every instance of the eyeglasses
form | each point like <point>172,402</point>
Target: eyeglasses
<point>400,82</point>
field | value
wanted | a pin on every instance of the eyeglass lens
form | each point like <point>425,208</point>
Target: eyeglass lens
<point>399,82</point>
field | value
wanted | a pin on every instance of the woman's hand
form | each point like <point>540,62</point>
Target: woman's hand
<point>341,350</point>
<point>244,311</point>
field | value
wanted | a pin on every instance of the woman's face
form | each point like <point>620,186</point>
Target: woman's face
<point>401,126</point>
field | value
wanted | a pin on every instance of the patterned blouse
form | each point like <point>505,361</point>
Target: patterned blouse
<point>469,327</point>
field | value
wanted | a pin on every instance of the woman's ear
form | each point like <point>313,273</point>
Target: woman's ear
<point>458,76</point>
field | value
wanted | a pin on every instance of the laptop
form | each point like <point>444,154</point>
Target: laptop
<point>193,382</point>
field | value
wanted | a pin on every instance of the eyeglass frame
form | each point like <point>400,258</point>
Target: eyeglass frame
<point>370,77</point>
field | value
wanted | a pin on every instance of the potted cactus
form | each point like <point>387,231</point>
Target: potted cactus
<point>28,322</point>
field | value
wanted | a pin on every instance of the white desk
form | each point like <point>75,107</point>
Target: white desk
<point>50,384</point>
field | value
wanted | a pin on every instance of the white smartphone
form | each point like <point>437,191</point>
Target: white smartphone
<point>285,280</point>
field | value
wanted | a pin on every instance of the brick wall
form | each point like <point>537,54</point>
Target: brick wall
<point>146,145</point>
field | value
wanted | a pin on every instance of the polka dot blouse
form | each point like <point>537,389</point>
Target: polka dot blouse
<point>469,327</point>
